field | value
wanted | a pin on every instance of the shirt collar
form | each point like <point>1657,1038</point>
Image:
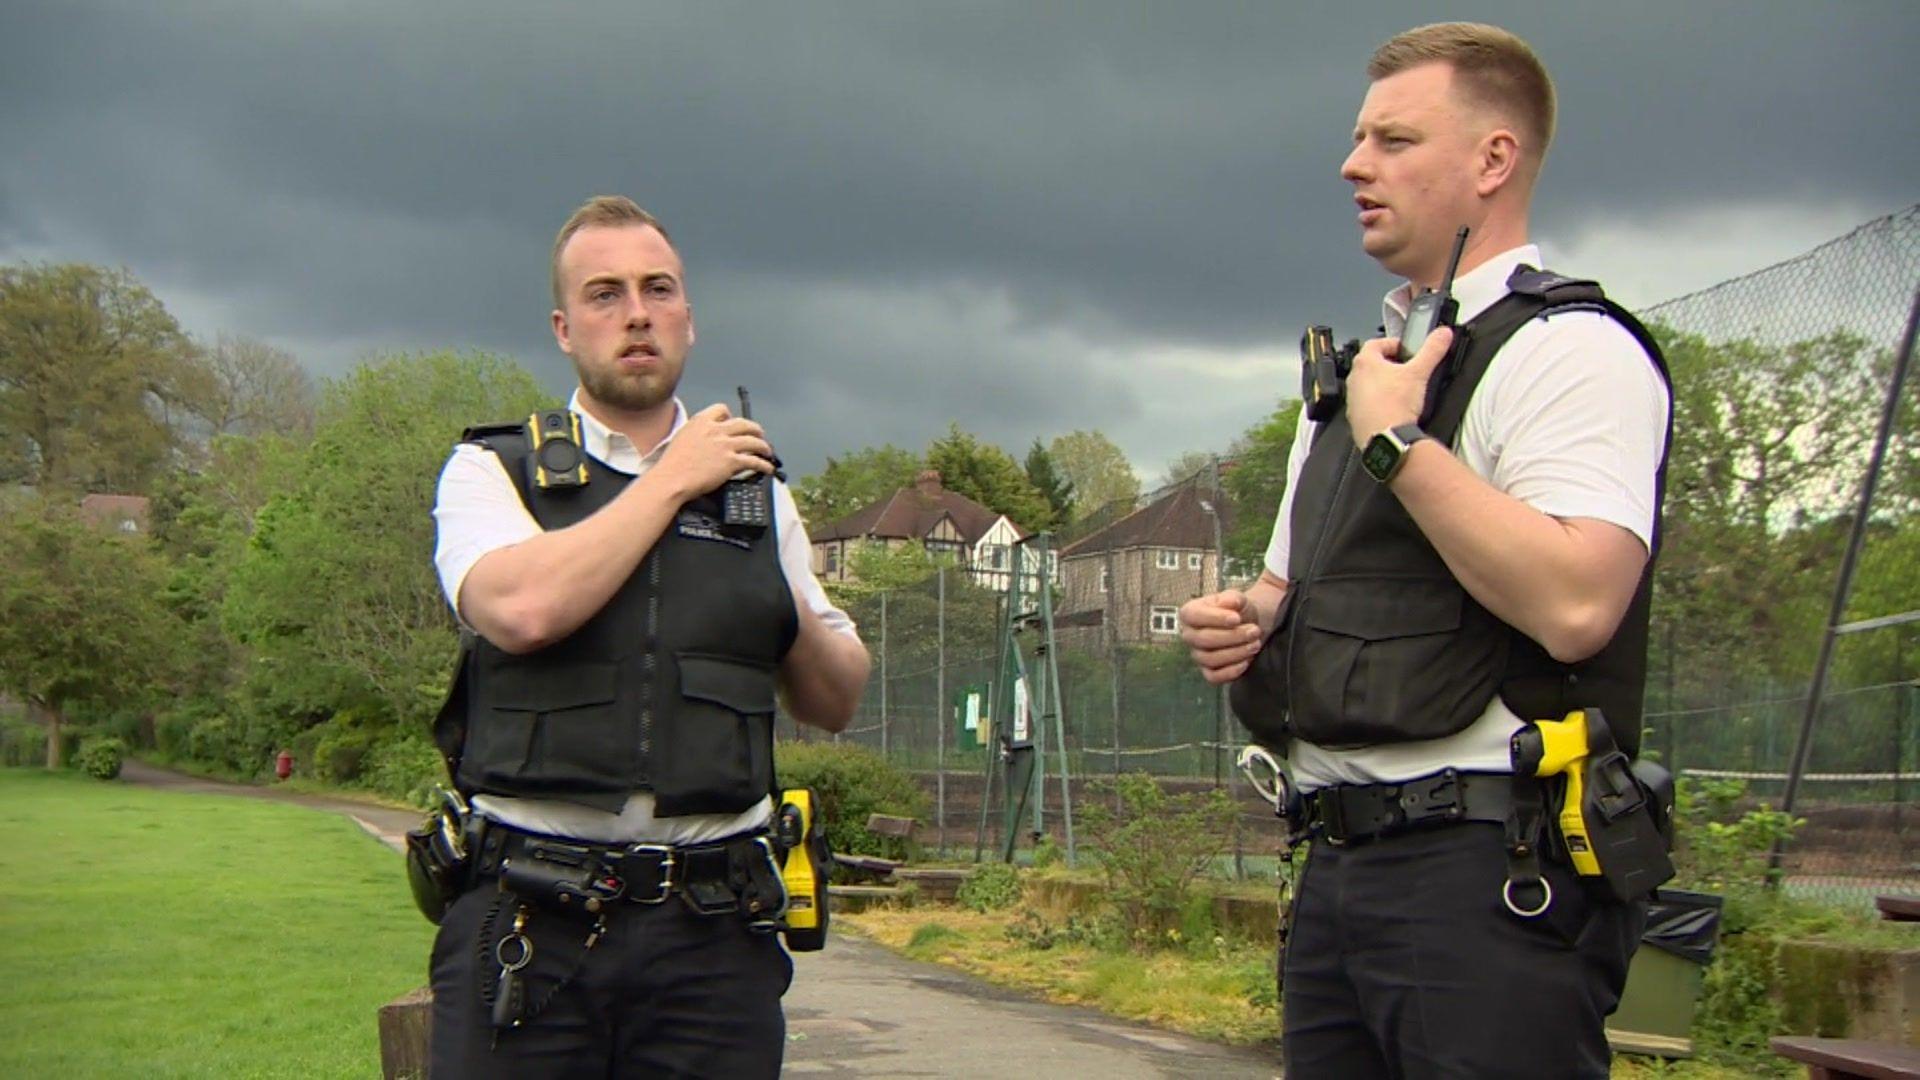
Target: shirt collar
<point>1475,291</point>
<point>615,450</point>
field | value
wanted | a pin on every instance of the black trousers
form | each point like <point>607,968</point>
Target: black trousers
<point>1402,961</point>
<point>665,992</point>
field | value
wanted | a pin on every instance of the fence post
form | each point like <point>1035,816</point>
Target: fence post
<point>1843,588</point>
<point>883,673</point>
<point>941,718</point>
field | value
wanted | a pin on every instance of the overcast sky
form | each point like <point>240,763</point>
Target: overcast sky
<point>1027,218</point>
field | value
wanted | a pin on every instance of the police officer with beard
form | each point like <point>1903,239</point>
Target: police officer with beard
<point>1465,548</point>
<point>612,723</point>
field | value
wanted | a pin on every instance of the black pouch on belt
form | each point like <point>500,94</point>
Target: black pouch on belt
<point>437,863</point>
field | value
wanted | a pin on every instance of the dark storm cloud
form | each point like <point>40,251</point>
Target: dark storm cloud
<point>893,217</point>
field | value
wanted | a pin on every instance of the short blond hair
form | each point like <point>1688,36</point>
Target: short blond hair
<point>1492,67</point>
<point>599,212</point>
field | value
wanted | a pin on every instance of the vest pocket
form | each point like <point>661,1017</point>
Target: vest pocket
<point>713,748</point>
<point>554,727</point>
<point>1386,660</point>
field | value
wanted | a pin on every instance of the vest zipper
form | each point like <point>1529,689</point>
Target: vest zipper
<point>649,662</point>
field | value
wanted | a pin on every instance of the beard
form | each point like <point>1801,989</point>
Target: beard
<point>632,392</point>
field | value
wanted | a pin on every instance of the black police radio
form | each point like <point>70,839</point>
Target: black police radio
<point>1324,368</point>
<point>747,499</point>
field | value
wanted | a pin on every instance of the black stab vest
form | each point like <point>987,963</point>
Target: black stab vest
<point>669,688</point>
<point>1376,641</point>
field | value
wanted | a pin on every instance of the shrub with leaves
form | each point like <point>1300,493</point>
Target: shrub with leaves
<point>1722,839</point>
<point>101,758</point>
<point>1153,849</point>
<point>852,782</point>
<point>990,887</point>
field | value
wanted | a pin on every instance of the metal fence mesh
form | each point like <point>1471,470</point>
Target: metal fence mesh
<point>1758,501</point>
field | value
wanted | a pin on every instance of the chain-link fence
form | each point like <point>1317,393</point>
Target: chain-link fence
<point>1779,376</point>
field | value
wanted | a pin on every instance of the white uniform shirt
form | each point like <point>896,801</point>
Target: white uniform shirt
<point>1571,419</point>
<point>479,510</point>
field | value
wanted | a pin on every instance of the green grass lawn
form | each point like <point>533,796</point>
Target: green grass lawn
<point>153,933</point>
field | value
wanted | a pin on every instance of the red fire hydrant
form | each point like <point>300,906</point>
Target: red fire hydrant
<point>283,765</point>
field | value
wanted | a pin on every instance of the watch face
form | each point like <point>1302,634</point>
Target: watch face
<point>1379,457</point>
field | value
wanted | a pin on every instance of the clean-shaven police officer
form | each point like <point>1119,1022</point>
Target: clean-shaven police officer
<point>618,704</point>
<point>1427,588</point>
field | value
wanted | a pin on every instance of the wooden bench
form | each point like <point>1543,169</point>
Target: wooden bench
<point>867,866</point>
<point>1849,1059</point>
<point>1898,908</point>
<point>889,825</point>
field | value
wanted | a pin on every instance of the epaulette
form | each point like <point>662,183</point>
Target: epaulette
<point>482,433</point>
<point>1551,287</point>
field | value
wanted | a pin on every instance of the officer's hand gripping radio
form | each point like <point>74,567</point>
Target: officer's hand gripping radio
<point>1324,368</point>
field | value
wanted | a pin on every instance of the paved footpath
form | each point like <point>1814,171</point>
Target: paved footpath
<point>857,1010</point>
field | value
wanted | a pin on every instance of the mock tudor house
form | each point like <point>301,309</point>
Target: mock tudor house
<point>1138,570</point>
<point>945,522</point>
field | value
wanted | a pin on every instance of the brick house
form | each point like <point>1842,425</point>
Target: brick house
<point>1140,569</point>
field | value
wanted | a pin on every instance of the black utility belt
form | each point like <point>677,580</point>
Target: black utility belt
<point>1356,813</point>
<point>740,874</point>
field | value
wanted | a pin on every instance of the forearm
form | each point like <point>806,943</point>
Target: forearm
<point>823,675</point>
<point>534,593</point>
<point>1565,584</point>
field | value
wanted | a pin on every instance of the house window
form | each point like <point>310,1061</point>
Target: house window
<point>833,559</point>
<point>1103,579</point>
<point>1193,560</point>
<point>1166,559</point>
<point>1164,620</point>
<point>997,556</point>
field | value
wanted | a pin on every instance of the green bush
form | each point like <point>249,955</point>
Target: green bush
<point>852,782</point>
<point>1153,849</point>
<point>340,752</point>
<point>406,768</point>
<point>101,757</point>
<point>214,740</point>
<point>990,887</point>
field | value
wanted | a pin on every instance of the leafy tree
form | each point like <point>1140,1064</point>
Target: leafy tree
<point>97,380</point>
<point>336,593</point>
<point>1096,468</point>
<point>1256,481</point>
<point>1190,465</point>
<point>1768,445</point>
<point>81,622</point>
<point>1046,479</point>
<point>989,476</point>
<point>256,389</point>
<point>853,481</point>
<point>201,520</point>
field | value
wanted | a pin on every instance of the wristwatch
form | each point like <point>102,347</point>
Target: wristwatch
<point>1387,451</point>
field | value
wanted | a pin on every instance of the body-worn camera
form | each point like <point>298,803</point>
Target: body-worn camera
<point>1323,372</point>
<point>558,461</point>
